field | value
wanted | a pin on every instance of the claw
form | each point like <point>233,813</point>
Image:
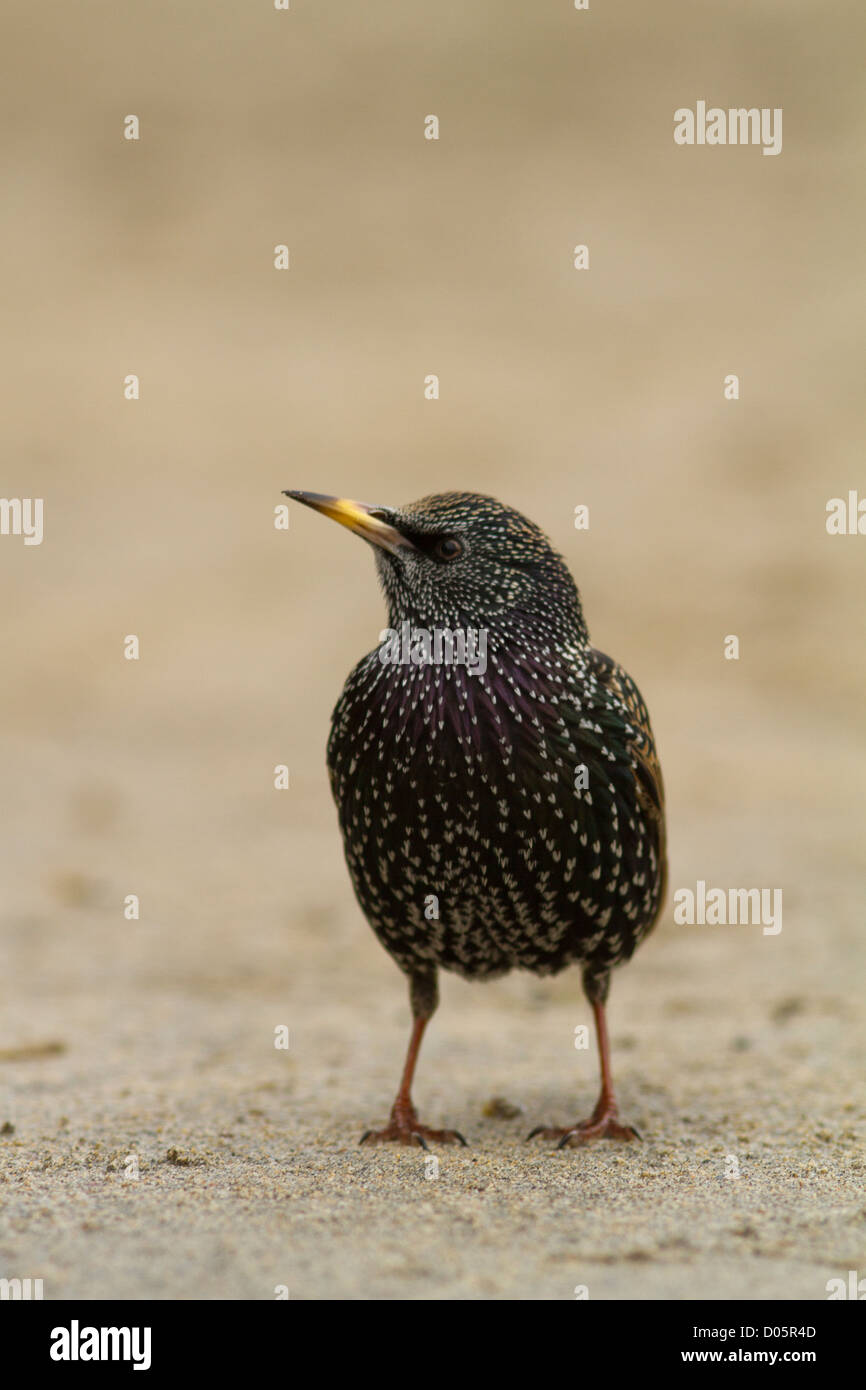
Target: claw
<point>603,1126</point>
<point>410,1131</point>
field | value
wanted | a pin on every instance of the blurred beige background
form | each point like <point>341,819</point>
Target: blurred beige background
<point>558,387</point>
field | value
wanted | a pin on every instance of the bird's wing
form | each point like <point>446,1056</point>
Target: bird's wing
<point>649,786</point>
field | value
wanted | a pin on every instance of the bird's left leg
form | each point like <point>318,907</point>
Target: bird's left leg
<point>604,1121</point>
<point>404,1126</point>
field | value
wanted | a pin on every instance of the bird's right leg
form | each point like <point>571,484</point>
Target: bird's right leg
<point>604,1122</point>
<point>404,1126</point>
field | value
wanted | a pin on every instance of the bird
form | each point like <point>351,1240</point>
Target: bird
<point>496,778</point>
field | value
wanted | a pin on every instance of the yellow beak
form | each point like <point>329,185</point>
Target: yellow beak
<point>359,518</point>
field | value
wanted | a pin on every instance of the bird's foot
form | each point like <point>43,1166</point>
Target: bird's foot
<point>404,1127</point>
<point>604,1124</point>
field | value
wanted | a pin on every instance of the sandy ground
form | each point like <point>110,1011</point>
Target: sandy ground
<point>249,1175</point>
<point>153,1140</point>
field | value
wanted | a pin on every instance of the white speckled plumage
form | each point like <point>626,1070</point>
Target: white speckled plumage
<point>462,785</point>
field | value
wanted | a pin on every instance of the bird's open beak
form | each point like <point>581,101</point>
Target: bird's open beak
<point>359,517</point>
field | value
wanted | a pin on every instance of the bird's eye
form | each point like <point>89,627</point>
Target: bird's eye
<point>448,548</point>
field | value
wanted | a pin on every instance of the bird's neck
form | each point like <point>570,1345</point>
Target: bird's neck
<point>506,630</point>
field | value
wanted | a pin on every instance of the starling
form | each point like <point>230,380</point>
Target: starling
<point>496,778</point>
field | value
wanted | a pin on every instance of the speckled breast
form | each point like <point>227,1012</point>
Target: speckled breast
<point>494,821</point>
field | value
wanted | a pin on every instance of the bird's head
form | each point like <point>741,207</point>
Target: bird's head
<point>460,558</point>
